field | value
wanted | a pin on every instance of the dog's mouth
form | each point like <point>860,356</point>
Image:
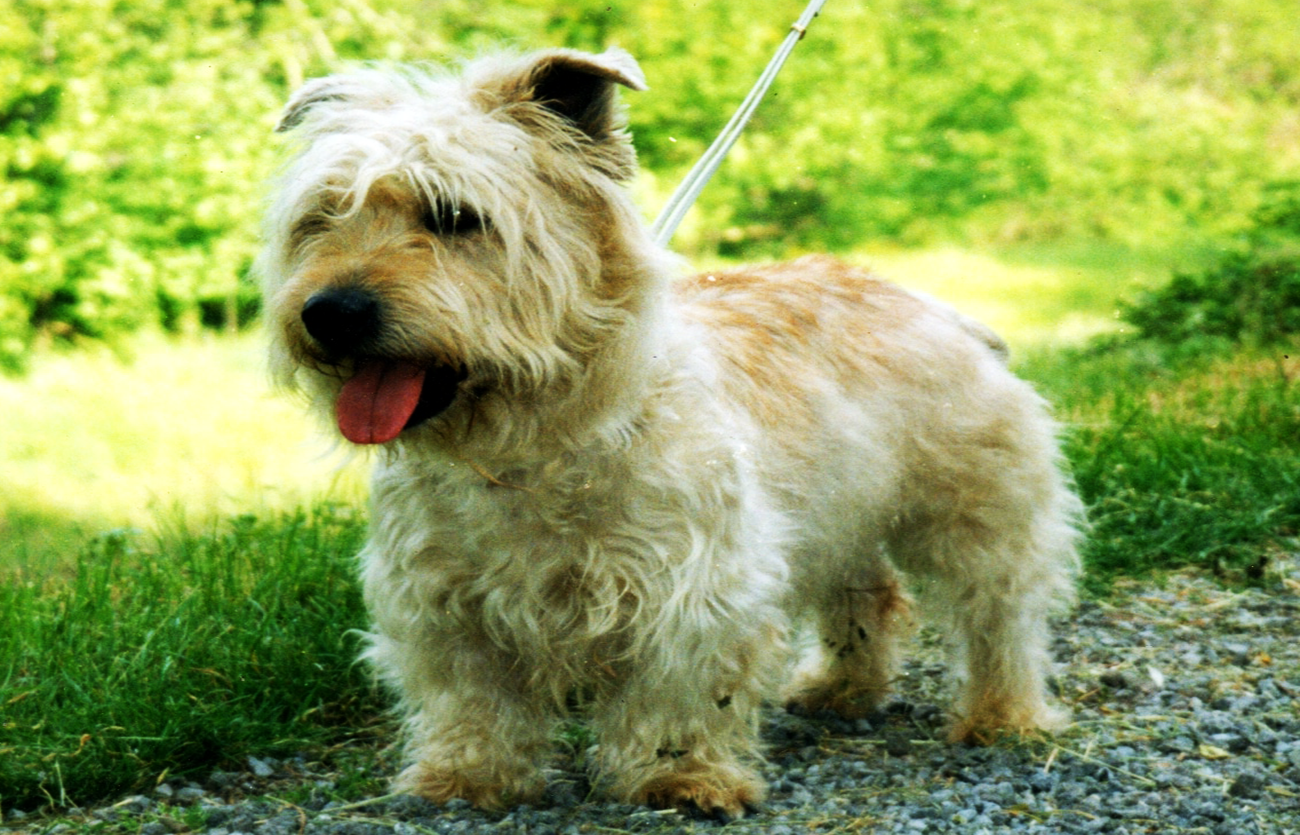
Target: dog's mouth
<point>384,397</point>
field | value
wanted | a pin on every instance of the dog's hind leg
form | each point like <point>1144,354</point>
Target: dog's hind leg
<point>995,560</point>
<point>998,619</point>
<point>859,624</point>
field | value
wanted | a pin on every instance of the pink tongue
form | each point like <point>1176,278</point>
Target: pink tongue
<point>376,403</point>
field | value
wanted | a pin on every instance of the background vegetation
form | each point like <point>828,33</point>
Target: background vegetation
<point>135,137</point>
<point>1113,185</point>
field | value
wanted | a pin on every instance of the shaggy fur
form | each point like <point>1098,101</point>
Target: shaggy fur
<point>608,482</point>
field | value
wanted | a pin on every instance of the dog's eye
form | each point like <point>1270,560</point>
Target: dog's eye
<point>309,226</point>
<point>451,219</point>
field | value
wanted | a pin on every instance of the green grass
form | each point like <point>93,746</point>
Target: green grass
<point>167,605</point>
<point>176,571</point>
<point>1037,297</point>
<point>1189,464</point>
<point>162,655</point>
<point>93,441</point>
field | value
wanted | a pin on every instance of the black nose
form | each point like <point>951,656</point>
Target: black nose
<point>342,319</point>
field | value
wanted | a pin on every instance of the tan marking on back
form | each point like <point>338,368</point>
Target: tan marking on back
<point>786,331</point>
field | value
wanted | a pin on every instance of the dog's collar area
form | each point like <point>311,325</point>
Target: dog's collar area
<point>493,481</point>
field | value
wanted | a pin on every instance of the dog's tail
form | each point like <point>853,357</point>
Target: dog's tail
<point>975,328</point>
<point>984,334</point>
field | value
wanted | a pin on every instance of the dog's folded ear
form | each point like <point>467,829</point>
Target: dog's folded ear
<point>580,86</point>
<point>577,86</point>
<point>319,91</point>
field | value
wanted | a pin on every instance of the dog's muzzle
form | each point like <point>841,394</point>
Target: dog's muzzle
<point>342,320</point>
<point>385,395</point>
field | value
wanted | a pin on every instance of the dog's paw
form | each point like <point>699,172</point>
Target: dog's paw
<point>840,698</point>
<point>844,707</point>
<point>992,723</point>
<point>726,793</point>
<point>484,791</point>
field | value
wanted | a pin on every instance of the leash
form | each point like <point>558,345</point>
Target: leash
<point>689,189</point>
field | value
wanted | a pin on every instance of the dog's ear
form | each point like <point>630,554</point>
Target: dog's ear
<point>332,89</point>
<point>580,87</point>
<point>577,86</point>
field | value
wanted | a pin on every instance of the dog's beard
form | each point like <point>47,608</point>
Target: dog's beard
<point>385,397</point>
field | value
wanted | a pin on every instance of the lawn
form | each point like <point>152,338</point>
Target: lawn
<point>164,432</point>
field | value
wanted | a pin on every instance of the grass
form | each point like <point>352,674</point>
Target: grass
<point>1034,302</point>
<point>162,655</point>
<point>176,581</point>
<point>187,431</point>
<point>139,641</point>
<point>1187,460</point>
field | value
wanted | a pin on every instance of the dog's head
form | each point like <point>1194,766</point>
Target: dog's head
<point>447,252</point>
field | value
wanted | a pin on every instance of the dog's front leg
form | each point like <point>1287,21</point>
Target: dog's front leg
<point>682,730</point>
<point>471,732</point>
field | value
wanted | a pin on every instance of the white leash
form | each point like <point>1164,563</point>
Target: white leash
<point>682,199</point>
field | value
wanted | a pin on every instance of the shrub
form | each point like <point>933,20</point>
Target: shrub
<point>1251,295</point>
<point>1243,298</point>
<point>135,137</point>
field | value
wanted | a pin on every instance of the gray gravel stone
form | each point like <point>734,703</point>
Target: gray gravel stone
<point>1186,707</point>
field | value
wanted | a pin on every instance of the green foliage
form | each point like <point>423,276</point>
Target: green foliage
<point>200,651</point>
<point>1251,295</point>
<point>135,137</point>
<point>1185,451</point>
<point>131,168</point>
<point>1241,298</point>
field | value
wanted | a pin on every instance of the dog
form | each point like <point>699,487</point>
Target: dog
<point>597,475</point>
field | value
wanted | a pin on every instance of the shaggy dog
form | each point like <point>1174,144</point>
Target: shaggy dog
<point>598,479</point>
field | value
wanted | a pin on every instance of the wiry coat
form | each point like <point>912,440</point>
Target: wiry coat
<point>630,487</point>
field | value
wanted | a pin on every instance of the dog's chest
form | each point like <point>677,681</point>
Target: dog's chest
<point>517,558</point>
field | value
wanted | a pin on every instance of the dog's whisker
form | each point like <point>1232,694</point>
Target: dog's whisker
<point>493,480</point>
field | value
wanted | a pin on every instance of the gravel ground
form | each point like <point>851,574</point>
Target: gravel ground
<point>1186,700</point>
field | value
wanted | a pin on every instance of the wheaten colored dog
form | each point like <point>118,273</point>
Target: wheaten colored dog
<point>597,479</point>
